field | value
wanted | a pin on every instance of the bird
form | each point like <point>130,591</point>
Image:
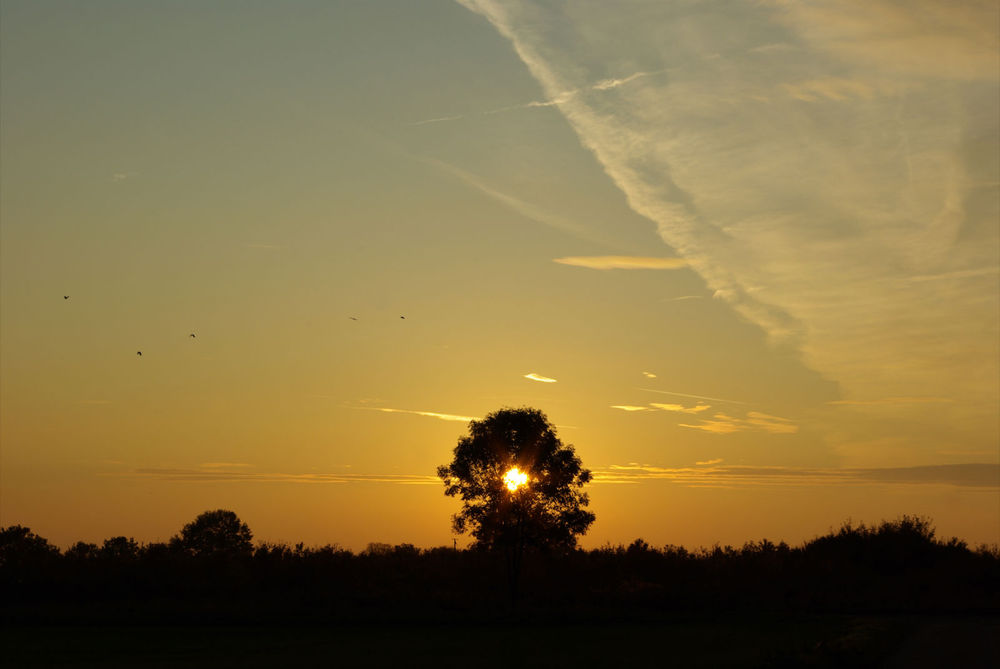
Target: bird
<point>65,297</point>
<point>191,335</point>
<point>352,318</point>
<point>403,317</point>
<point>139,353</point>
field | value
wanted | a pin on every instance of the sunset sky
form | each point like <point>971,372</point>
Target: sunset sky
<point>744,255</point>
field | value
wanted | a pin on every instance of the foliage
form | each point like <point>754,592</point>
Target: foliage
<point>219,533</point>
<point>19,546</point>
<point>547,512</point>
<point>894,567</point>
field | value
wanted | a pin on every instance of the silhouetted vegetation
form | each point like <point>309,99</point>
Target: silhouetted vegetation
<point>211,572</point>
<point>542,508</point>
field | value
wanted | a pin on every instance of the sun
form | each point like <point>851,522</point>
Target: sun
<point>515,478</point>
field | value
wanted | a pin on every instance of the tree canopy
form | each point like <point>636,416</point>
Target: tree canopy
<point>218,532</point>
<point>542,504</point>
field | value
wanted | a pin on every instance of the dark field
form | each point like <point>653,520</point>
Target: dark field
<point>816,642</point>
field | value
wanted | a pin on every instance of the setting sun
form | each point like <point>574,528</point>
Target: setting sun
<point>515,478</point>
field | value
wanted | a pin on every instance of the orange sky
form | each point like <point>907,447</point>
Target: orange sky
<point>744,255</point>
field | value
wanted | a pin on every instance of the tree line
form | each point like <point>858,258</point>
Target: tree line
<point>212,571</point>
<point>522,501</point>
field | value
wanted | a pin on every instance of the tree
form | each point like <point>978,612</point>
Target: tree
<point>20,546</point>
<point>519,484</point>
<point>218,532</point>
<point>119,548</point>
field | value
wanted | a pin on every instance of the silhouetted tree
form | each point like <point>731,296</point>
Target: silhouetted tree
<point>120,548</point>
<point>20,546</point>
<point>545,509</point>
<point>81,550</point>
<point>219,533</point>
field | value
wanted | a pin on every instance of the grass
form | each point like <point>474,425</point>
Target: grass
<point>726,642</point>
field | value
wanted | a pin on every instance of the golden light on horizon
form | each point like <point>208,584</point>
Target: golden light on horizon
<point>515,478</point>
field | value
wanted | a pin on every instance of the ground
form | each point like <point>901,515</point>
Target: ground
<point>828,641</point>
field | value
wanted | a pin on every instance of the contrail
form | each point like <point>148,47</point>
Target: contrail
<point>697,397</point>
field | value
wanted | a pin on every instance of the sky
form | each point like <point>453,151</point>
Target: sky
<point>744,255</point>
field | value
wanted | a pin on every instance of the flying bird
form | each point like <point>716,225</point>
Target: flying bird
<point>352,318</point>
<point>139,353</point>
<point>403,317</point>
<point>191,335</point>
<point>65,297</point>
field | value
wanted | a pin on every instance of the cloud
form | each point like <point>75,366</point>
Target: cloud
<point>936,38</point>
<point>440,119</point>
<point>889,401</point>
<point>622,262</point>
<point>539,377</point>
<point>754,421</point>
<point>814,220</point>
<point>683,297</point>
<point>224,465</point>
<point>697,397</point>
<point>649,375</point>
<point>680,407</point>
<point>708,473</point>
<point>202,475</point>
<point>558,99</point>
<point>429,414</point>
<point>526,209</point>
<point>629,407</point>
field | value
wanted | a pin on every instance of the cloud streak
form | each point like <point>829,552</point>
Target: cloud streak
<point>210,475</point>
<point>428,414</point>
<point>680,407</point>
<point>697,397</point>
<point>973,476</point>
<point>540,378</point>
<point>754,421</point>
<point>810,193</point>
<point>622,262</point>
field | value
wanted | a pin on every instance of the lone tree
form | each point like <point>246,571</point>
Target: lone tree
<point>520,486</point>
<point>218,532</point>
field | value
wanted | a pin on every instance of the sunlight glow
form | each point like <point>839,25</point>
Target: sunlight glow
<point>515,478</point>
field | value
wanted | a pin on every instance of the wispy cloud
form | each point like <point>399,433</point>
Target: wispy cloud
<point>889,401</point>
<point>817,195</point>
<point>428,414</point>
<point>118,177</point>
<point>224,465</point>
<point>630,407</point>
<point>526,209</point>
<point>210,475</point>
<point>539,377</point>
<point>683,297</point>
<point>697,397</point>
<point>977,476</point>
<point>622,262</point>
<point>440,119</point>
<point>558,99</point>
<point>722,423</point>
<point>649,375</point>
<point>680,408</point>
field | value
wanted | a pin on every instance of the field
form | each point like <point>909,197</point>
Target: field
<point>828,641</point>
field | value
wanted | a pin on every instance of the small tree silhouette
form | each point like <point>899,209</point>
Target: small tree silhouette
<point>520,486</point>
<point>20,547</point>
<point>216,533</point>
